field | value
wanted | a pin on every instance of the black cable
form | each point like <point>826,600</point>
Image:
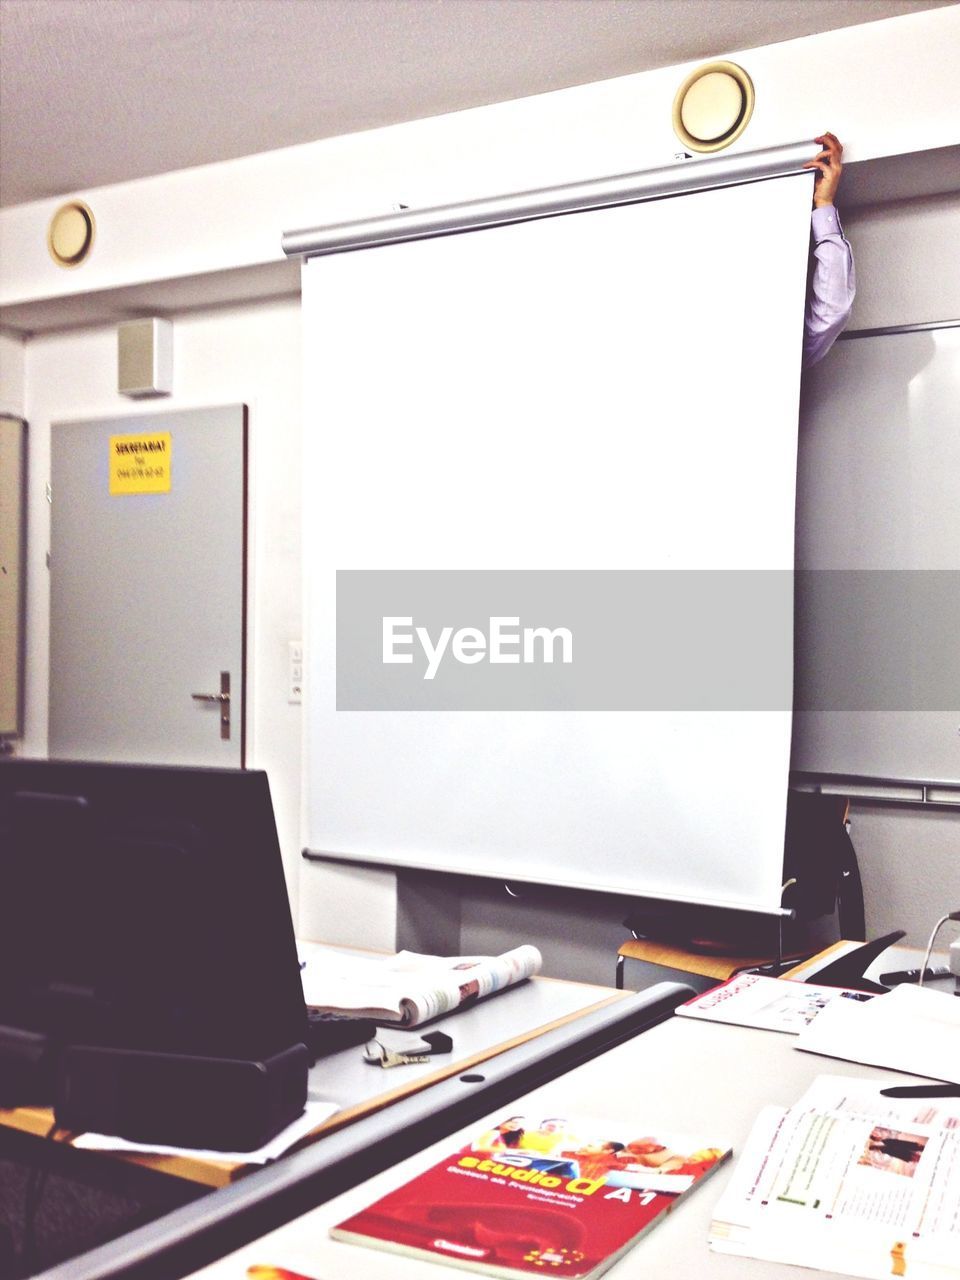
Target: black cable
<point>951,915</point>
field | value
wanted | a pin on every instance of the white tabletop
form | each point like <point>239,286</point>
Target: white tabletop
<point>701,1078</point>
<point>478,1031</point>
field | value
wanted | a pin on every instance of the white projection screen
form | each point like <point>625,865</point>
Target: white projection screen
<point>612,390</point>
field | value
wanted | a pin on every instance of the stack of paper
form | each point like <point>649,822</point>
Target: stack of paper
<point>849,1181</point>
<point>775,1004</point>
<point>911,1029</point>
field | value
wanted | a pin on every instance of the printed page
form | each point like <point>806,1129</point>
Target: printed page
<point>911,1029</point>
<point>847,1180</point>
<point>314,1114</point>
<point>857,1096</point>
<point>775,1004</point>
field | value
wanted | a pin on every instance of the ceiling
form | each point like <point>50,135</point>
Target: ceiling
<point>101,91</point>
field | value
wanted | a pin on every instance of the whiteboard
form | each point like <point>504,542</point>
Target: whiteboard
<point>878,547</point>
<point>614,390</point>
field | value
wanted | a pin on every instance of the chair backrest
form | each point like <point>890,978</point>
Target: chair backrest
<point>819,863</point>
<point>820,859</point>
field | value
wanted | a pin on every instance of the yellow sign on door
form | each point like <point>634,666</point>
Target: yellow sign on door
<point>140,464</point>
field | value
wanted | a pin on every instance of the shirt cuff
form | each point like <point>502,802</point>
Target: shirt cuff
<point>825,221</point>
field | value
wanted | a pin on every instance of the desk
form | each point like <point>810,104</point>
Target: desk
<point>520,1036</point>
<point>494,1026</point>
<point>645,962</point>
<point>703,1078</point>
<point>497,1024</point>
<point>689,1075</point>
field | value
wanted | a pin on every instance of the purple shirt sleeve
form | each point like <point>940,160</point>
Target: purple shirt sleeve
<point>832,285</point>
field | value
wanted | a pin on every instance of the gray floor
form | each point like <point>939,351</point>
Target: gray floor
<point>70,1217</point>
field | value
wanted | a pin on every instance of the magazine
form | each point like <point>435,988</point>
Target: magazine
<point>534,1196</point>
<point>407,989</point>
<point>849,1181</point>
<point>775,1004</point>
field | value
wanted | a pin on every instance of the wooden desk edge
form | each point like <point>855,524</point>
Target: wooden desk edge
<point>814,963</point>
<point>704,963</point>
<point>39,1122</point>
<point>348,1114</point>
<point>220,1173</point>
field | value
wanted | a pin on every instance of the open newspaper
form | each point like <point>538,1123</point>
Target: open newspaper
<point>407,989</point>
<point>849,1181</point>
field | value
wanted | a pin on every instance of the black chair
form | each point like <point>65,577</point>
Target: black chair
<point>821,878</point>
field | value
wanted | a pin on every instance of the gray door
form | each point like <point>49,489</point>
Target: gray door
<point>147,588</point>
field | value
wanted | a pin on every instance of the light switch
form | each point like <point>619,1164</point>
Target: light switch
<point>295,671</point>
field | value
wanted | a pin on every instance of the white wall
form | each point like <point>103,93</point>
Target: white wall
<point>225,216</point>
<point>908,262</point>
<point>887,88</point>
<point>13,377</point>
<point>908,272</point>
<point>910,866</point>
<point>225,356</point>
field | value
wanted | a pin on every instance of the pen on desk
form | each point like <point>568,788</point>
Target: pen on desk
<point>914,975</point>
<point>922,1091</point>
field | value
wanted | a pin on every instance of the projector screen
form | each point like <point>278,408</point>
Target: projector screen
<point>549,512</point>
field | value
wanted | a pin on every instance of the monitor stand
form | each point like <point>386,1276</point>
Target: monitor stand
<point>26,1068</point>
<point>176,1100</point>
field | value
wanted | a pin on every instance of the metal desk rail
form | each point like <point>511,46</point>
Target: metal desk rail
<point>199,1233</point>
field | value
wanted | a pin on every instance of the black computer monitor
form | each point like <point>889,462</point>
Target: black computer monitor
<point>144,907</point>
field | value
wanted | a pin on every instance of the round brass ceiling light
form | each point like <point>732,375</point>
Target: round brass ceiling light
<point>70,234</point>
<point>713,106</point>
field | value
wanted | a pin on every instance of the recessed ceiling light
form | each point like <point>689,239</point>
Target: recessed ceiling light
<point>713,106</point>
<point>70,234</point>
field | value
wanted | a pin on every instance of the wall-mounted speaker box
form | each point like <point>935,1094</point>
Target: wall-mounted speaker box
<point>145,358</point>
<point>219,1104</point>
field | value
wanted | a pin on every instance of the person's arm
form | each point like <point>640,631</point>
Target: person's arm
<point>833,279</point>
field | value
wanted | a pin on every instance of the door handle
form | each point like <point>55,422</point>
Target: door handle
<point>223,698</point>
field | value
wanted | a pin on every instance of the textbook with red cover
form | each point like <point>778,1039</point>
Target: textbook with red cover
<point>546,1196</point>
